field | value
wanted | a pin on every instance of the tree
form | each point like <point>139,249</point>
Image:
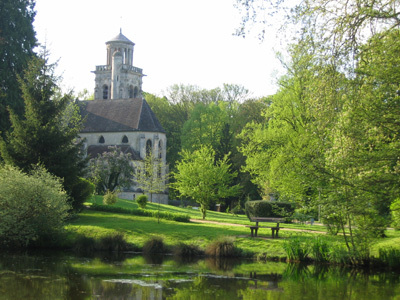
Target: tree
<point>111,170</point>
<point>17,40</point>
<point>33,207</point>
<point>202,178</point>
<point>44,135</point>
<point>151,175</point>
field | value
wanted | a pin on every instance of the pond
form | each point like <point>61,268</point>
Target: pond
<point>103,276</point>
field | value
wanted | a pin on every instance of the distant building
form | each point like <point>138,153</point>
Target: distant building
<point>119,115</point>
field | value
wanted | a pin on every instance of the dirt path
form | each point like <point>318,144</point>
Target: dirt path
<point>240,225</point>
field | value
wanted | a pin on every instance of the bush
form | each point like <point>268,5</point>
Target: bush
<point>187,250</point>
<point>110,198</point>
<point>113,242</point>
<point>264,208</point>
<point>154,245</point>
<point>82,190</point>
<point>32,207</point>
<point>142,201</point>
<point>223,247</point>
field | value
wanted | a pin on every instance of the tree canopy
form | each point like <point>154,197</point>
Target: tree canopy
<point>17,41</point>
<point>203,179</point>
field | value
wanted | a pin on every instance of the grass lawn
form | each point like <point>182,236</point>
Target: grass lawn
<point>138,229</point>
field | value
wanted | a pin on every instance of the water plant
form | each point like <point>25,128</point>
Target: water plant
<point>223,247</point>
<point>187,250</point>
<point>320,249</point>
<point>296,250</point>
<point>390,257</point>
<point>154,245</point>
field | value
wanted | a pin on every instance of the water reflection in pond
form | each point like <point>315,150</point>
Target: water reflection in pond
<point>63,276</point>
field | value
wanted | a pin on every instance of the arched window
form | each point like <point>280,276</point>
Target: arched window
<point>160,148</point>
<point>105,91</point>
<point>135,92</point>
<point>101,140</point>
<point>125,139</point>
<point>131,92</point>
<point>149,147</point>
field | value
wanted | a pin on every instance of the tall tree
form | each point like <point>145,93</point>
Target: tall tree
<point>17,40</point>
<point>203,179</point>
<point>43,135</point>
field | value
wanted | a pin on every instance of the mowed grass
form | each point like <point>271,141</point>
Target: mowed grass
<point>139,229</point>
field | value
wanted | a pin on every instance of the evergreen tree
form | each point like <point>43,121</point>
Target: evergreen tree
<point>43,136</point>
<point>17,40</point>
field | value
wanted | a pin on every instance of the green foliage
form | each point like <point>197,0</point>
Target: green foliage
<point>17,41</point>
<point>32,207</point>
<point>43,135</point>
<point>320,249</point>
<point>111,170</point>
<point>390,257</point>
<point>223,247</point>
<point>395,209</point>
<point>151,175</point>
<point>154,245</point>
<point>143,212</point>
<point>296,250</point>
<point>142,201</point>
<point>83,189</point>
<point>110,198</point>
<point>113,242</point>
<point>265,208</point>
<point>198,176</point>
<point>185,250</point>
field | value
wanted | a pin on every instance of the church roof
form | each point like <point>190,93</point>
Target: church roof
<point>120,38</point>
<point>118,115</point>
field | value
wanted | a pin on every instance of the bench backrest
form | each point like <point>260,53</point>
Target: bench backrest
<point>260,219</point>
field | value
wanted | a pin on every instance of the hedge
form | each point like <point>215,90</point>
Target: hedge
<point>143,212</point>
<point>265,208</point>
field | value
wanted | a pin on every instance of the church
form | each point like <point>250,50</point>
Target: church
<point>119,115</point>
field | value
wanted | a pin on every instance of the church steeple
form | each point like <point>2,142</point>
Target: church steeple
<point>118,79</point>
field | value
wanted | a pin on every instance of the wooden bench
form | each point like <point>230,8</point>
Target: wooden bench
<point>274,229</point>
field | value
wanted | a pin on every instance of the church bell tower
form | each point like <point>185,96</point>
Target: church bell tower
<point>119,79</point>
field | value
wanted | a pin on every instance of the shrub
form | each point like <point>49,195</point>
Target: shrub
<point>296,250</point>
<point>32,207</point>
<point>110,198</point>
<point>264,208</point>
<point>154,245</point>
<point>187,250</point>
<point>113,242</point>
<point>82,190</point>
<point>223,247</point>
<point>142,201</point>
<point>84,244</point>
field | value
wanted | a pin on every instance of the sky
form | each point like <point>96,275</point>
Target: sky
<point>176,42</point>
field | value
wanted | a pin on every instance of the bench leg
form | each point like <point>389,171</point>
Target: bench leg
<point>255,230</point>
<point>251,231</point>
<point>275,235</point>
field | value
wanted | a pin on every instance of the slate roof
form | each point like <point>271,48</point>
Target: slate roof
<point>118,116</point>
<point>120,38</point>
<point>94,150</point>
